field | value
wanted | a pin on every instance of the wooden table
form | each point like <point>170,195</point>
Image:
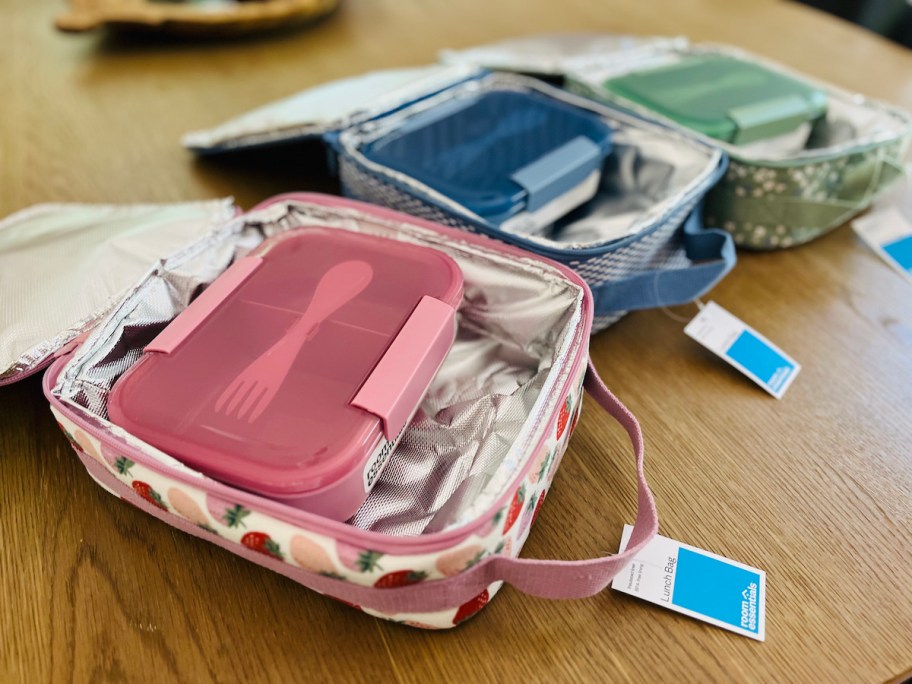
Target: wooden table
<point>816,488</point>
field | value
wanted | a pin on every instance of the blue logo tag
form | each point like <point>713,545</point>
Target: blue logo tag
<point>697,583</point>
<point>901,252</point>
<point>744,348</point>
<point>758,358</point>
<point>717,589</point>
<point>889,233</point>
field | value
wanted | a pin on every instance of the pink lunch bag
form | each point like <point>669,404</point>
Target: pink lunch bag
<point>442,529</point>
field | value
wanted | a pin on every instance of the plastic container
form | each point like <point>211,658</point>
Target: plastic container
<point>724,97</point>
<point>503,155</point>
<point>294,374</point>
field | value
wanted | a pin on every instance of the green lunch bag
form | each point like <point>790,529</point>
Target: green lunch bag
<point>805,156</point>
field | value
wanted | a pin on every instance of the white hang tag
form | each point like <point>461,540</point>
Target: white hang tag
<point>744,348</point>
<point>888,233</point>
<point>697,583</point>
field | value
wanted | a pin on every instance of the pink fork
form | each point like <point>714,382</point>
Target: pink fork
<point>255,387</point>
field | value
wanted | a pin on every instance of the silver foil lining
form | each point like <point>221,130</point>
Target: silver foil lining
<point>63,267</point>
<point>519,326</point>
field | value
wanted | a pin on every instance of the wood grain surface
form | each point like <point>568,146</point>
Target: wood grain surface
<point>815,488</point>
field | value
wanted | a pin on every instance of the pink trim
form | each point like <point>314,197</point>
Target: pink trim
<point>552,579</point>
<point>418,545</point>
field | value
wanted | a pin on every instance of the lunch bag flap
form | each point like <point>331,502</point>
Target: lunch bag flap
<point>64,266</point>
<point>325,108</point>
<point>558,54</point>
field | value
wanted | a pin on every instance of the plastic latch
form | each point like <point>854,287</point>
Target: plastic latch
<point>203,306</point>
<point>557,172</point>
<point>399,381</point>
<point>769,118</point>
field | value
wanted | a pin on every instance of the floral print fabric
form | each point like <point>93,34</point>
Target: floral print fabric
<point>772,207</point>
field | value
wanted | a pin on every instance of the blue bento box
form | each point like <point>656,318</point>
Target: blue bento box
<point>516,159</point>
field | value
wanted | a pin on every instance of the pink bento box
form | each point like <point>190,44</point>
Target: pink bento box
<point>297,371</point>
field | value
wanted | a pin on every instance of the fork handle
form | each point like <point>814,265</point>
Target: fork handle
<point>338,286</point>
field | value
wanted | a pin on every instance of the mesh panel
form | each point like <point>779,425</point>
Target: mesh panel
<point>661,248</point>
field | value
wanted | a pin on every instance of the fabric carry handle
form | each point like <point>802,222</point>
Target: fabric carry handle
<point>551,579</point>
<point>560,579</point>
<point>713,247</point>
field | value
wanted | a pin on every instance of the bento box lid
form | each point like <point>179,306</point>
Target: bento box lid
<point>296,365</point>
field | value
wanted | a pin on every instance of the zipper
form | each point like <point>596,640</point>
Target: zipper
<point>47,361</point>
<point>16,377</point>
